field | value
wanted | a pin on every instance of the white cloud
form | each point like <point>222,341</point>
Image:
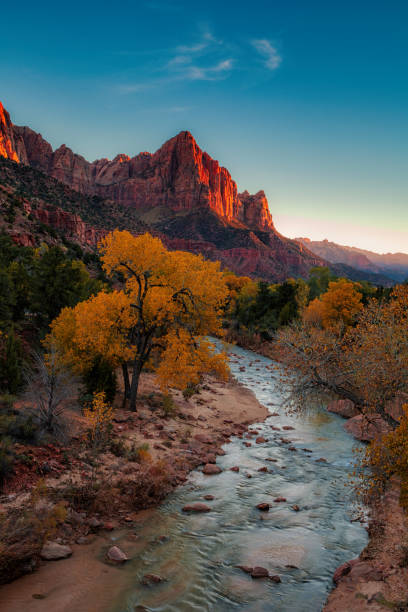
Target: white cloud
<point>271,57</point>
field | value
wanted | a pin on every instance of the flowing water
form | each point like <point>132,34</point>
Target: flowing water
<point>198,554</point>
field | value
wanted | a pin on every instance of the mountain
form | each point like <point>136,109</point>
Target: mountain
<point>178,193</point>
<point>393,265</point>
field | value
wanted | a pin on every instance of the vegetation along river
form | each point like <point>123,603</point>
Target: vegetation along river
<point>198,553</point>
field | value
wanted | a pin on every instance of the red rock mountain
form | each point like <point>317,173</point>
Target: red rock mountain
<point>179,192</point>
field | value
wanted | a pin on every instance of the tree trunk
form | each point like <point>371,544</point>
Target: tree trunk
<point>126,383</point>
<point>137,368</point>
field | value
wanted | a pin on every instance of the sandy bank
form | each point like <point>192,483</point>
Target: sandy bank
<point>193,435</point>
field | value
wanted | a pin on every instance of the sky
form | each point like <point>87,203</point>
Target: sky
<point>305,100</point>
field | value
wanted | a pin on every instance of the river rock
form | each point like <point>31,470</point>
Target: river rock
<point>52,551</point>
<point>263,469</point>
<point>247,444</point>
<point>295,507</point>
<point>288,427</point>
<point>117,555</point>
<point>260,440</point>
<point>211,469</point>
<point>343,570</point>
<point>259,572</point>
<point>235,468</point>
<point>279,499</point>
<point>366,427</point>
<point>198,507</point>
<point>264,507</point>
<point>343,407</point>
<point>209,497</point>
<point>275,578</point>
<point>151,579</point>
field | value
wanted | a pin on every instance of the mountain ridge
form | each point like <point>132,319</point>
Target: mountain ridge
<point>178,193</point>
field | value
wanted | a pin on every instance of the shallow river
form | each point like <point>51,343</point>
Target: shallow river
<point>199,555</point>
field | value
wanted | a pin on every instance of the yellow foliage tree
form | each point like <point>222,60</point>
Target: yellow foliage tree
<point>340,305</point>
<point>169,302</point>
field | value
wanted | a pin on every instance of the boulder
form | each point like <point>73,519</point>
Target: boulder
<point>259,572</point>
<point>275,578</point>
<point>211,469</point>
<point>117,555</point>
<point>366,427</point>
<point>264,506</point>
<point>197,507</point>
<point>52,551</point>
<point>344,408</point>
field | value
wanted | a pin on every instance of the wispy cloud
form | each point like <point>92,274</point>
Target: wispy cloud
<point>269,53</point>
<point>204,59</point>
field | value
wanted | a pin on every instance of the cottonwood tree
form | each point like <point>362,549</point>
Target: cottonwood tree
<point>367,363</point>
<point>168,302</point>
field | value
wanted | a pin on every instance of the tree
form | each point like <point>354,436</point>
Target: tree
<point>339,306</point>
<point>58,282</point>
<point>168,303</point>
<point>366,363</point>
<point>49,386</point>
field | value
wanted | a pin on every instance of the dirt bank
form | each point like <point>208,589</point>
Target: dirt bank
<point>192,434</point>
<point>378,579</point>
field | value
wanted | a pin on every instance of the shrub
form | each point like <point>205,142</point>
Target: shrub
<point>190,390</point>
<point>139,454</point>
<point>149,485</point>
<point>168,405</point>
<point>99,416</point>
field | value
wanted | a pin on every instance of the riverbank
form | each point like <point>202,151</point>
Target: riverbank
<point>378,579</point>
<point>189,433</point>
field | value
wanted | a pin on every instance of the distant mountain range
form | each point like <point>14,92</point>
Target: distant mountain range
<point>178,193</point>
<point>393,265</point>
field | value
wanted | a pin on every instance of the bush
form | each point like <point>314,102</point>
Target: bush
<point>190,390</point>
<point>149,485</point>
<point>168,405</point>
<point>139,454</point>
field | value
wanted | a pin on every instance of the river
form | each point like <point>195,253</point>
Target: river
<point>198,554</point>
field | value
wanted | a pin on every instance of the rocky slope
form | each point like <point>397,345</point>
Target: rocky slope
<point>393,265</point>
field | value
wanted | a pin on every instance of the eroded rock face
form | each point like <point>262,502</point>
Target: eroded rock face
<point>212,218</point>
<point>7,142</point>
<point>179,176</point>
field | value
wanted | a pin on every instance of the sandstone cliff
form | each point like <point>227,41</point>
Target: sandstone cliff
<point>178,193</point>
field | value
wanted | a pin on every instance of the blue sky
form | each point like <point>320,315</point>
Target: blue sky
<point>306,100</point>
